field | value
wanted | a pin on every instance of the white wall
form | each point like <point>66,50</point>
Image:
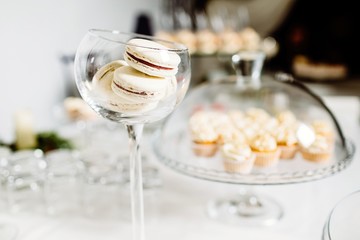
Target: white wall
<point>33,36</point>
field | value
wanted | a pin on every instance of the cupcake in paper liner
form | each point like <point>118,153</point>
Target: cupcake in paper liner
<point>319,151</point>
<point>204,137</point>
<point>323,128</point>
<point>287,142</point>
<point>286,118</point>
<point>237,158</point>
<point>204,141</point>
<point>266,150</point>
<point>230,134</point>
<point>257,115</point>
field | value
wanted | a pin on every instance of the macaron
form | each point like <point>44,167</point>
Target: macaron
<point>104,95</point>
<point>138,87</point>
<point>144,55</point>
<point>107,71</point>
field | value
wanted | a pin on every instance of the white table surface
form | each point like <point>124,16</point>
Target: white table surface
<point>177,209</point>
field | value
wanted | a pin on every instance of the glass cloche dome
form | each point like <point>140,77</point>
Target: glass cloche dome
<point>253,129</point>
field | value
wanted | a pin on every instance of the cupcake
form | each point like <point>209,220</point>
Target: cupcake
<point>203,135</point>
<point>187,38</point>
<point>324,129</point>
<point>266,150</point>
<point>168,36</point>
<point>250,38</point>
<point>319,151</point>
<point>258,115</point>
<point>237,158</point>
<point>230,134</point>
<point>230,42</point>
<point>270,125</point>
<point>286,118</point>
<point>287,142</point>
<point>206,42</point>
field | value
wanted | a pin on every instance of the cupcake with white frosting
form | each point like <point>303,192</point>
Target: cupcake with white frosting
<point>286,118</point>
<point>323,128</point>
<point>319,151</point>
<point>230,134</point>
<point>287,142</point>
<point>250,38</point>
<point>203,135</point>
<point>266,150</point>
<point>258,115</point>
<point>237,158</point>
<point>229,42</point>
<point>236,117</point>
<point>207,42</point>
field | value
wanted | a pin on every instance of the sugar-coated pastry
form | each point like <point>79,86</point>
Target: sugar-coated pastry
<point>319,151</point>
<point>144,55</point>
<point>266,150</point>
<point>237,158</point>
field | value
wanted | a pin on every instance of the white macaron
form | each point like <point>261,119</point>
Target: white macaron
<point>107,71</point>
<point>139,87</point>
<point>104,95</point>
<point>151,58</point>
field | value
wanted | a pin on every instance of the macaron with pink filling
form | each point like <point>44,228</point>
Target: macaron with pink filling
<point>136,86</point>
<point>144,55</point>
<point>106,97</point>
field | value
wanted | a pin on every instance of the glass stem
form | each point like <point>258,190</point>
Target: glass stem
<point>136,183</point>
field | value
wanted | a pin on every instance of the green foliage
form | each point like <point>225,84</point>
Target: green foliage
<point>46,141</point>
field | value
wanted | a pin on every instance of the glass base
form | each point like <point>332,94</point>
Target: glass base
<point>246,209</point>
<point>8,231</point>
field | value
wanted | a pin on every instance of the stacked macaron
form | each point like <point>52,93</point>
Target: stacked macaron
<point>137,84</point>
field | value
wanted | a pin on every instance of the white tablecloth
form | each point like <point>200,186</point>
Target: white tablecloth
<point>177,209</point>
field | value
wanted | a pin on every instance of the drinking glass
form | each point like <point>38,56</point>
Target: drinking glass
<point>25,180</point>
<point>8,231</point>
<point>100,47</point>
<point>343,220</point>
<point>62,177</point>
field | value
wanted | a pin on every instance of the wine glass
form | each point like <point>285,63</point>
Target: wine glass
<point>342,222</point>
<point>100,47</point>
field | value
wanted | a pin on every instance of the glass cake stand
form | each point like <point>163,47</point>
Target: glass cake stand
<point>250,89</point>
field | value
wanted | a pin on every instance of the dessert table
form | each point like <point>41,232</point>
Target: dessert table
<point>176,209</point>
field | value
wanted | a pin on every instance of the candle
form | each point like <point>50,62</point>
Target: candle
<point>25,136</point>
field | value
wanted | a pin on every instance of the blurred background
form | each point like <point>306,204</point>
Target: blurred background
<point>314,40</point>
